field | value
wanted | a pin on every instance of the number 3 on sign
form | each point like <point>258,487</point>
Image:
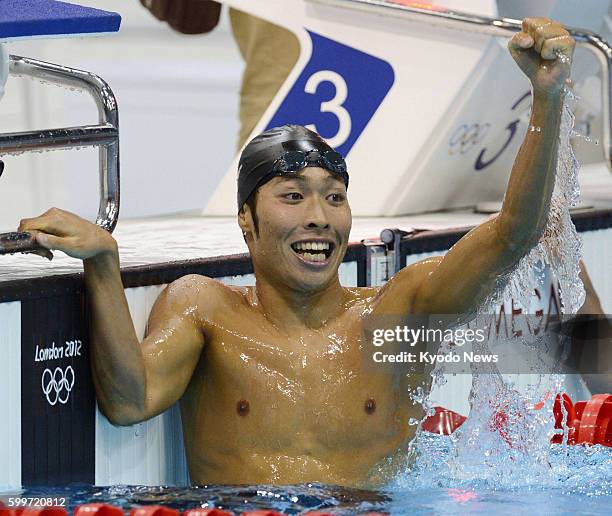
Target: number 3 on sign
<point>336,94</point>
<point>334,106</point>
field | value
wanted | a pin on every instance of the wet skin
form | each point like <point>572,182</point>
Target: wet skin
<point>270,378</point>
<point>267,407</point>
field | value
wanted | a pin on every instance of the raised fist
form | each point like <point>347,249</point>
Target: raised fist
<point>543,50</point>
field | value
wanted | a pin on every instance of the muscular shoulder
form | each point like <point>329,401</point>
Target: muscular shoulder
<point>194,294</point>
<point>398,294</point>
<point>204,291</point>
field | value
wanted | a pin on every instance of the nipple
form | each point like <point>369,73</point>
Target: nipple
<point>370,406</point>
<point>242,407</point>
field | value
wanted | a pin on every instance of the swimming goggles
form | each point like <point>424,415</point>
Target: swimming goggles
<point>293,161</point>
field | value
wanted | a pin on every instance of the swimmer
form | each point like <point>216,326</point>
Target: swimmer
<point>270,377</point>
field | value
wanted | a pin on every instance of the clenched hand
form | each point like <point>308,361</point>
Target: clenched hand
<point>543,50</point>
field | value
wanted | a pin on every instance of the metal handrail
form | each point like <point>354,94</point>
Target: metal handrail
<point>104,135</point>
<point>503,27</point>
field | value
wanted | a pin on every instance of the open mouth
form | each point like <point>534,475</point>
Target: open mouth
<point>314,251</point>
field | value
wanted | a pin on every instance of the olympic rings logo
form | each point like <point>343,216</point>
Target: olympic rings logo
<point>466,137</point>
<point>56,385</point>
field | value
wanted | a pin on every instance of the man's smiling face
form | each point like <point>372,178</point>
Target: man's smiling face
<point>304,221</point>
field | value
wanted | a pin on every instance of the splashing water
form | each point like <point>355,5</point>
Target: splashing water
<point>505,442</point>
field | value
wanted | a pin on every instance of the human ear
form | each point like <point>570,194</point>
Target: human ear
<point>245,221</point>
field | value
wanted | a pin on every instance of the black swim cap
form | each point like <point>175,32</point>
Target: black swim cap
<point>262,152</point>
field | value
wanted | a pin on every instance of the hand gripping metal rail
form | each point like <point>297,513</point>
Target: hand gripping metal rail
<point>104,135</point>
<point>504,27</point>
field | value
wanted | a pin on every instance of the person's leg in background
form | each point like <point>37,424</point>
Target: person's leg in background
<point>270,53</point>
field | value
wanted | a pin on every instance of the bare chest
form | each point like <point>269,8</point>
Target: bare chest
<point>310,390</point>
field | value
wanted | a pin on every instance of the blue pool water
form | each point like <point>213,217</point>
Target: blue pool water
<point>579,480</point>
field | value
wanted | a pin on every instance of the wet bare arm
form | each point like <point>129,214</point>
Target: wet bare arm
<point>137,380</point>
<point>460,281</point>
<point>134,381</point>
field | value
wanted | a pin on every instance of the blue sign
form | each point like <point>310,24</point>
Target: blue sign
<point>337,93</point>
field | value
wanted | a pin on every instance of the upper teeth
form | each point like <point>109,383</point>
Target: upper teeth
<point>316,246</point>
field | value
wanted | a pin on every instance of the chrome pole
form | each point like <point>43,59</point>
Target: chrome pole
<point>104,135</point>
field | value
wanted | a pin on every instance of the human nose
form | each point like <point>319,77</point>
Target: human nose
<point>316,215</point>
